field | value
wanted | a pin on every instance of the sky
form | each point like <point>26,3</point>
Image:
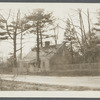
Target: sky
<point>60,10</point>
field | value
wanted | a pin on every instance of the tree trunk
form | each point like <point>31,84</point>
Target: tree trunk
<point>38,59</point>
<point>21,45</point>
<point>15,59</point>
<point>41,38</point>
<point>72,52</point>
<point>81,27</point>
<point>55,37</point>
<point>89,25</point>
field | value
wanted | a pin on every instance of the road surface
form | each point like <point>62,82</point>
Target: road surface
<point>86,81</point>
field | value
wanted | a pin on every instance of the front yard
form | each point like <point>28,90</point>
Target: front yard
<point>49,83</point>
<point>7,85</point>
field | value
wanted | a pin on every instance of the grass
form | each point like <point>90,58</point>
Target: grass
<point>22,86</point>
<point>8,70</point>
<point>66,73</point>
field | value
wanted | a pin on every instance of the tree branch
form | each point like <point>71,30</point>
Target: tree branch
<point>7,25</point>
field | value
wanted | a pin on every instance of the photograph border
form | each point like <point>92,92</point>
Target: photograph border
<point>71,95</point>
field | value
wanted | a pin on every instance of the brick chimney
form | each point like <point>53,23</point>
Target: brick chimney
<point>47,44</point>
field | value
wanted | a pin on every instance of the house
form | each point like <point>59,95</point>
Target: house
<point>52,57</point>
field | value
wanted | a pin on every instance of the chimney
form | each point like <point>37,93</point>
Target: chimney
<point>47,44</point>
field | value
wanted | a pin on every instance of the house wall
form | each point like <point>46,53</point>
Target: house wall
<point>62,57</point>
<point>32,68</point>
<point>23,67</point>
<point>45,65</point>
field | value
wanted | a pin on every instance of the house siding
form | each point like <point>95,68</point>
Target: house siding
<point>23,67</point>
<point>32,68</point>
<point>62,57</point>
<point>45,66</point>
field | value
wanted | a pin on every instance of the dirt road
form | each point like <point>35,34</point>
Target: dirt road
<point>86,81</point>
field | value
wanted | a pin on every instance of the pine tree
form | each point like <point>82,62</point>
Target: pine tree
<point>40,21</point>
<point>3,33</point>
<point>69,38</point>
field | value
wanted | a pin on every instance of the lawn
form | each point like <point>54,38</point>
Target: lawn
<point>6,85</point>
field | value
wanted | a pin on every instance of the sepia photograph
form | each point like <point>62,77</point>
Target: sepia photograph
<point>50,47</point>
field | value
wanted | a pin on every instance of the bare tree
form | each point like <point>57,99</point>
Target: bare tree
<point>12,31</point>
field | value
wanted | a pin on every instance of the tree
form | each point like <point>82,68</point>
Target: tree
<point>40,21</point>
<point>3,33</point>
<point>83,34</point>
<point>83,37</point>
<point>91,41</point>
<point>70,38</point>
<point>89,27</point>
<point>23,28</point>
<point>13,29</point>
<point>93,48</point>
<point>43,19</point>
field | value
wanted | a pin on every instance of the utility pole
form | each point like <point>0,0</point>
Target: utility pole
<point>38,58</point>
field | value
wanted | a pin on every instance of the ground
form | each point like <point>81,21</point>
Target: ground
<point>23,86</point>
<point>27,82</point>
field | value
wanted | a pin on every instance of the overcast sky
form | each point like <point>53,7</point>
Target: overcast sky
<point>60,10</point>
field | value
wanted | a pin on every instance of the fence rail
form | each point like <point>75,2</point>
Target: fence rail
<point>78,67</point>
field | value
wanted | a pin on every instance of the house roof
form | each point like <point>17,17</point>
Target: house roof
<point>45,52</point>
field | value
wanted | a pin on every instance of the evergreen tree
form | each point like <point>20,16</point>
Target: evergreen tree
<point>69,38</point>
<point>40,21</point>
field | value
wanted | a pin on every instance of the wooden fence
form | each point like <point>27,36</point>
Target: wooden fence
<point>77,67</point>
